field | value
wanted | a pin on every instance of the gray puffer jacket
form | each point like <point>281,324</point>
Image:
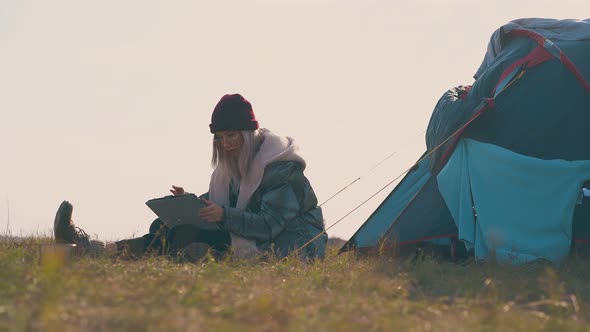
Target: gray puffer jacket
<point>282,213</point>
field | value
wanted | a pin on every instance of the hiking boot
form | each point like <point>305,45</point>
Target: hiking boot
<point>64,229</point>
<point>196,252</point>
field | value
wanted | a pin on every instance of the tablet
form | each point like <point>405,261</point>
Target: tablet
<point>180,210</point>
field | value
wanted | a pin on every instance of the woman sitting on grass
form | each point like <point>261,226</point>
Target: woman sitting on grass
<point>258,195</point>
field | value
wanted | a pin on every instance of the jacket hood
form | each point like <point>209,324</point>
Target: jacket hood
<point>272,149</point>
<point>276,148</point>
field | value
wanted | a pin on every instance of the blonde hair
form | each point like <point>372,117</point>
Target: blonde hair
<point>236,168</point>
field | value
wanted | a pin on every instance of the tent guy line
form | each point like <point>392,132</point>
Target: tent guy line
<point>374,167</point>
<point>426,155</point>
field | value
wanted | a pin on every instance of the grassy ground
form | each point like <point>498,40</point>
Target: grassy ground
<point>341,293</point>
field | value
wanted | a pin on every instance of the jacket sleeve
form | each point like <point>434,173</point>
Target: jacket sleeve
<point>278,206</point>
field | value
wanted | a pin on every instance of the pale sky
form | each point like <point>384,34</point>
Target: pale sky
<point>107,103</point>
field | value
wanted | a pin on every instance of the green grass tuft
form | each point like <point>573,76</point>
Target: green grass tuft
<point>340,293</point>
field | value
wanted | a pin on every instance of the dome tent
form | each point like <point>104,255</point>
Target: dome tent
<point>506,158</point>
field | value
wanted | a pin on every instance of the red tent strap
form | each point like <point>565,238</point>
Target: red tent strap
<point>534,58</point>
<point>555,51</point>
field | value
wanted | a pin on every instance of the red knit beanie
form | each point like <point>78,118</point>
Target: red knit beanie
<point>233,112</point>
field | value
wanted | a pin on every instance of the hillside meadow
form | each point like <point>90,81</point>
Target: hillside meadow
<point>341,293</point>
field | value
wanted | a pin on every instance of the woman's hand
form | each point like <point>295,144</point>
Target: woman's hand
<point>177,191</point>
<point>212,212</point>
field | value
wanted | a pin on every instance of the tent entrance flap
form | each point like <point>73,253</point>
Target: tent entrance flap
<point>511,192</point>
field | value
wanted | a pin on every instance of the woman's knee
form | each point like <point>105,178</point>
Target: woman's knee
<point>156,226</point>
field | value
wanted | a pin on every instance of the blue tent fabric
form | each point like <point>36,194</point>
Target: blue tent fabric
<point>543,114</point>
<point>414,213</point>
<point>532,110</point>
<point>553,29</point>
<point>425,220</point>
<point>501,187</point>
